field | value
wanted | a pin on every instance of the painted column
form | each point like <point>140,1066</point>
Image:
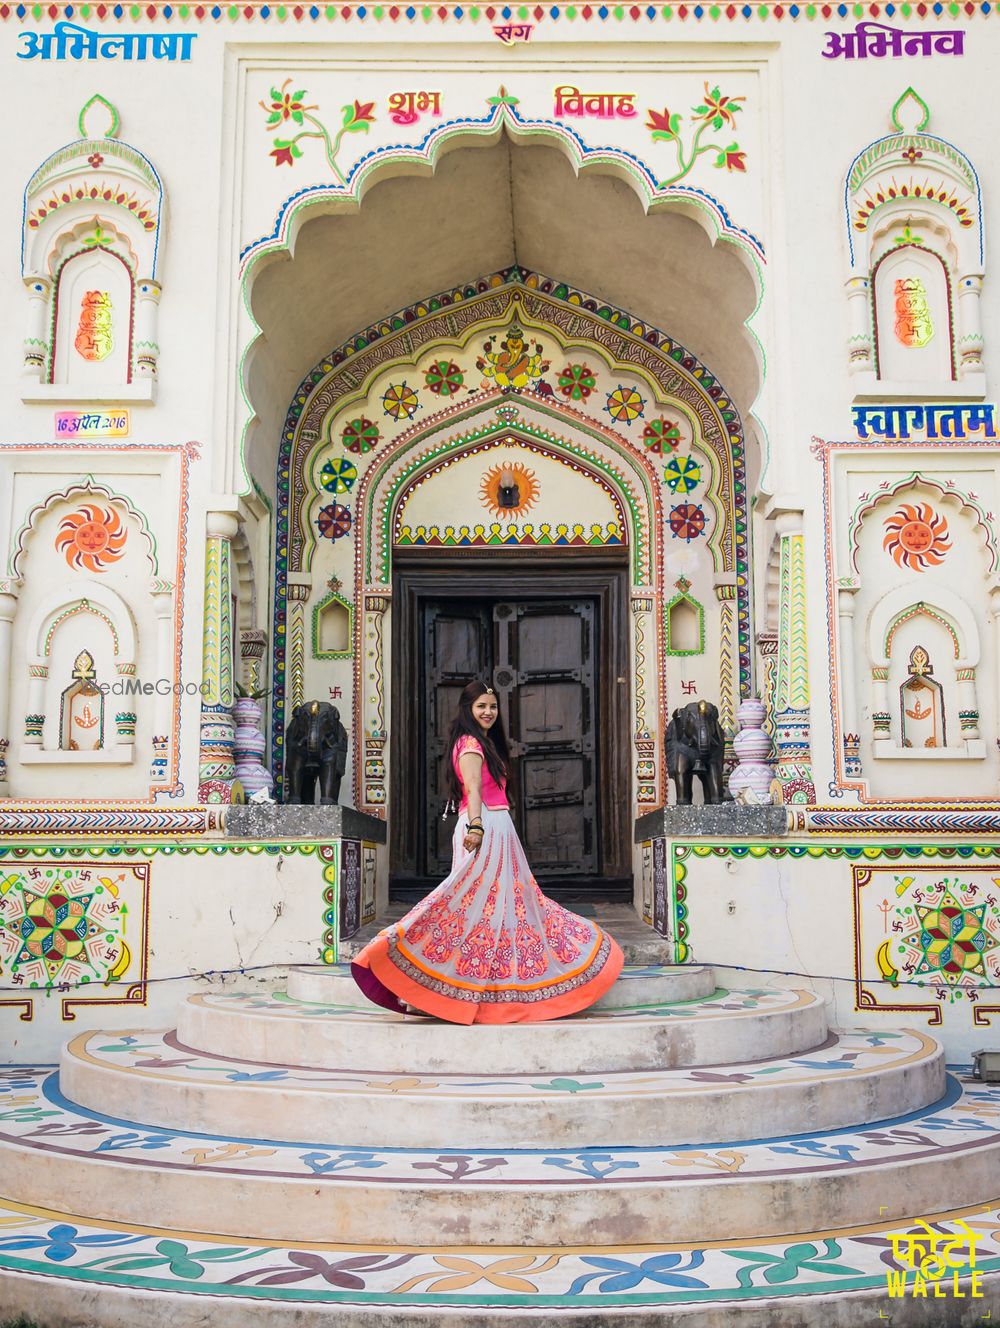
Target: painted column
<point>8,608</point>
<point>767,645</point>
<point>849,723</point>
<point>970,326</point>
<point>295,668</point>
<point>253,644</point>
<point>725,593</point>
<point>36,336</point>
<point>216,768</point>
<point>376,735</point>
<point>881,714</point>
<point>163,605</point>
<point>646,665</point>
<point>968,704</point>
<point>793,768</point>
<point>147,350</point>
<point>859,341</point>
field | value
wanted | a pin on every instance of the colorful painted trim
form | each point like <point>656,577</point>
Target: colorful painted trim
<point>31,819</point>
<point>558,11</point>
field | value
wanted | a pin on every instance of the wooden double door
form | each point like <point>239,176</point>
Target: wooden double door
<point>549,648</point>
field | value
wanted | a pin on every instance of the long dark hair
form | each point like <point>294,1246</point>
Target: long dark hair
<point>495,750</point>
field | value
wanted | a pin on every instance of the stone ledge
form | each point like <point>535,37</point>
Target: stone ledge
<point>271,820</point>
<point>728,820</point>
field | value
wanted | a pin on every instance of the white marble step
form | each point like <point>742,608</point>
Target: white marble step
<point>852,1079</point>
<point>639,984</point>
<point>53,1153</point>
<point>68,1271</point>
<point>724,1027</point>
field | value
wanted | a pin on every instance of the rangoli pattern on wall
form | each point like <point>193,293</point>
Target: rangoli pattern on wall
<point>73,927</point>
<point>927,928</point>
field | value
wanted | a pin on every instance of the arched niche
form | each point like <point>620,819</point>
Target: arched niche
<point>912,303</point>
<point>913,210</point>
<point>93,311</point>
<point>90,249</point>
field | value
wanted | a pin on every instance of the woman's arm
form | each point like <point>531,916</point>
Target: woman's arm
<point>470,765</point>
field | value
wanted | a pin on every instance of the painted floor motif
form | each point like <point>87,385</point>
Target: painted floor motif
<point>149,1259</point>
<point>161,1057</point>
<point>35,1115</point>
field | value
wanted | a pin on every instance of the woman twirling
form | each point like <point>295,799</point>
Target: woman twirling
<point>487,946</point>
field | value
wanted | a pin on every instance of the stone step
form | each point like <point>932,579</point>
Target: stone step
<point>852,1079</point>
<point>71,1271</point>
<point>639,984</point>
<point>53,1153</point>
<point>718,1029</point>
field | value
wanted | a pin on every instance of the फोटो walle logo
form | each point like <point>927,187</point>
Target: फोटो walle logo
<point>935,1263</point>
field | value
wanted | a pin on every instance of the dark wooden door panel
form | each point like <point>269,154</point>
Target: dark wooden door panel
<point>545,674</point>
<point>457,646</point>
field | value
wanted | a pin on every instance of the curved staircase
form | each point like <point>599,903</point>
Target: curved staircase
<point>678,1151</point>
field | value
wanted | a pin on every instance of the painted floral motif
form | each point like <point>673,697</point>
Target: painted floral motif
<point>577,382</point>
<point>661,435</point>
<point>333,522</point>
<point>400,402</point>
<point>360,435</point>
<point>625,405</point>
<point>714,113</point>
<point>338,475</point>
<point>513,367</point>
<point>917,537</point>
<point>290,108</point>
<point>92,537</point>
<point>686,521</point>
<point>682,474</point>
<point>509,490</point>
<point>444,378</point>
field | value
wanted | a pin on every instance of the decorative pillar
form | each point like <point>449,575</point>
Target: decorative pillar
<point>750,782</point>
<point>850,727</point>
<point>163,606</point>
<point>968,704</point>
<point>147,351</point>
<point>725,593</point>
<point>646,665</point>
<point>881,714</point>
<point>253,644</point>
<point>34,720</point>
<point>295,675</point>
<point>859,342</point>
<point>8,608</point>
<point>376,736</point>
<point>767,645</point>
<point>793,769</point>
<point>970,326</point>
<point>36,336</point>
<point>216,768</point>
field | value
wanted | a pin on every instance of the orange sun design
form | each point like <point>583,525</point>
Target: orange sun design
<point>917,537</point>
<point>92,537</point>
<point>521,495</point>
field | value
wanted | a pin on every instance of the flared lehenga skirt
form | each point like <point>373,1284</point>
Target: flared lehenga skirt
<point>487,946</point>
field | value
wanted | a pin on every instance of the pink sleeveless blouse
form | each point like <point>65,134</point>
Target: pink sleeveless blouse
<point>494,794</point>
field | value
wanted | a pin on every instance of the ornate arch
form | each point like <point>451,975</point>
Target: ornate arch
<point>675,379</point>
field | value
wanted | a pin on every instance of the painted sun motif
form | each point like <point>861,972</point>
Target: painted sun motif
<point>92,537</point>
<point>509,490</point>
<point>917,537</point>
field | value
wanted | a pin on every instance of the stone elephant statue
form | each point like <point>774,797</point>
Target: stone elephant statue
<point>696,746</point>
<point>315,749</point>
